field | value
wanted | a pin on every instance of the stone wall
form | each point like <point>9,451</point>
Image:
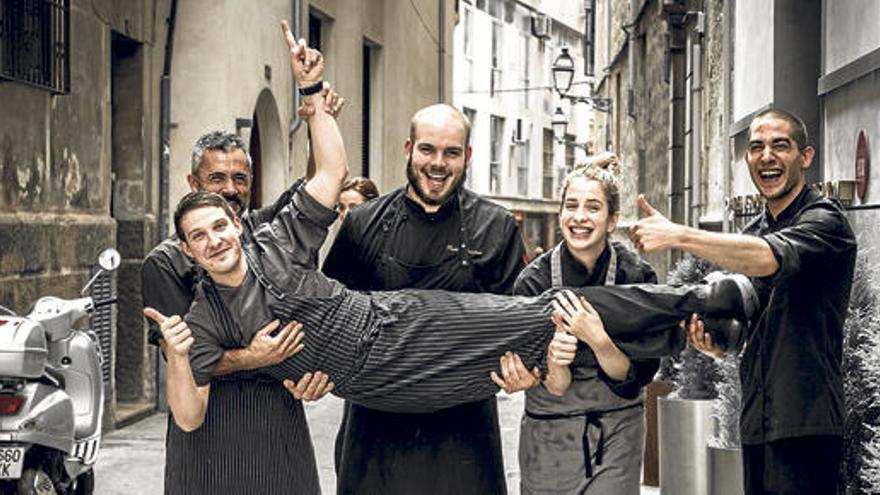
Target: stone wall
<point>73,168</point>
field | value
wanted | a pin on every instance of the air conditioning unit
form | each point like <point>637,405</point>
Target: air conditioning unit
<point>521,132</point>
<point>541,25</point>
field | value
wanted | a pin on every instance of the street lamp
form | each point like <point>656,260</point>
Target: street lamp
<point>559,123</point>
<point>563,77</point>
<point>563,72</point>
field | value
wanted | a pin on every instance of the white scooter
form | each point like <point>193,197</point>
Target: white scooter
<point>51,394</point>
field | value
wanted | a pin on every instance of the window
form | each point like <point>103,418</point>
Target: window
<point>497,40</point>
<point>495,8</point>
<point>548,164</point>
<point>569,158</point>
<point>495,75</point>
<point>589,37</point>
<point>496,140</point>
<point>34,43</point>
<point>314,31</point>
<point>522,170</point>
<point>524,66</point>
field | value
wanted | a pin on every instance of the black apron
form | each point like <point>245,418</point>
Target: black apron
<point>457,450</point>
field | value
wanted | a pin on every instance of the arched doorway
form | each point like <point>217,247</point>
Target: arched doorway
<point>268,151</point>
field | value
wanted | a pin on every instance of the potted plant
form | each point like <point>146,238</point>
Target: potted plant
<point>685,415</point>
<point>724,452</point>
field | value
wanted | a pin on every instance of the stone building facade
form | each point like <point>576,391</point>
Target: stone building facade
<point>661,64</point>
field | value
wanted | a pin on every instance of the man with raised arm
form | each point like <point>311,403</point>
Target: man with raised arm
<point>249,403</point>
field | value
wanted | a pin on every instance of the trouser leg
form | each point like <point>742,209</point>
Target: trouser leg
<point>807,465</point>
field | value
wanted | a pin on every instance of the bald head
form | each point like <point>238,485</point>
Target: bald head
<point>441,115</point>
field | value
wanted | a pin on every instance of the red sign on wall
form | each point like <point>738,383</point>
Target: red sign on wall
<point>863,165</point>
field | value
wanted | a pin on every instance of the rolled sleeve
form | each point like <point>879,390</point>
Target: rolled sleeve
<point>640,373</point>
<point>820,232</point>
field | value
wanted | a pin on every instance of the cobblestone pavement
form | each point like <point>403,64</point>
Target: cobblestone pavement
<point>131,460</point>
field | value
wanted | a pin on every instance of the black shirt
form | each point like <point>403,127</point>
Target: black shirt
<point>790,371</point>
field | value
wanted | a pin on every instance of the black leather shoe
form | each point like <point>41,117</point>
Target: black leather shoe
<point>728,334</point>
<point>730,295</point>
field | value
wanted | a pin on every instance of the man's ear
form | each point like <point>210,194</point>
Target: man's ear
<point>467,154</point>
<point>193,183</point>
<point>184,247</point>
<point>407,148</point>
<point>808,153</point>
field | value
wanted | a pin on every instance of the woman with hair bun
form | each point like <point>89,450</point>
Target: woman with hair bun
<point>583,428</point>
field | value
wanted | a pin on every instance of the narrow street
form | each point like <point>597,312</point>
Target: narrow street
<point>132,459</point>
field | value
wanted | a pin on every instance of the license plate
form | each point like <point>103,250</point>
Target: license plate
<point>11,462</point>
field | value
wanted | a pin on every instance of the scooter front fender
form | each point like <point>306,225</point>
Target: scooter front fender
<point>45,418</point>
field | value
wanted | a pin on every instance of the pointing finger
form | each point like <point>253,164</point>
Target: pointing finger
<point>288,35</point>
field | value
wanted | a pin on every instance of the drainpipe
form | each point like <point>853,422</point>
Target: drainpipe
<point>165,126</point>
<point>441,52</point>
<point>164,166</point>
<point>296,121</point>
<point>696,96</point>
<point>725,116</point>
<point>631,60</point>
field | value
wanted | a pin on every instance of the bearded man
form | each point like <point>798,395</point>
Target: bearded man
<point>431,234</point>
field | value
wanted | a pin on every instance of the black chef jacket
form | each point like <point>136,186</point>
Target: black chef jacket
<point>469,245</point>
<point>790,371</point>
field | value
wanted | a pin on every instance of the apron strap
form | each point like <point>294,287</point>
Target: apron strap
<point>556,267</point>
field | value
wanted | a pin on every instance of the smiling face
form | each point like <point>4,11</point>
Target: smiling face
<point>437,155</point>
<point>584,220</point>
<point>227,173</point>
<point>212,240</point>
<point>775,161</point>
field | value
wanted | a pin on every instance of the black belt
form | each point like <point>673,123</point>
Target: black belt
<point>591,418</point>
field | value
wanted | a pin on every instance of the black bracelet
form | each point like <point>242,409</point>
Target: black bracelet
<point>310,90</point>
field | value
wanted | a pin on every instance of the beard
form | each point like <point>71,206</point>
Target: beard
<point>423,195</point>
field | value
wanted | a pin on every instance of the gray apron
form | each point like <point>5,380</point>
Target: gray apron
<point>586,439</point>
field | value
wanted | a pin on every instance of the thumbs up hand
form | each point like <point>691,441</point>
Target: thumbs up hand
<point>175,332</point>
<point>654,232</point>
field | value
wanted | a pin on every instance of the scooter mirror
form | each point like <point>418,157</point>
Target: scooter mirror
<point>109,259</point>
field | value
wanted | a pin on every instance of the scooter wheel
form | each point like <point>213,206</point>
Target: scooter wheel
<point>85,483</point>
<point>35,482</point>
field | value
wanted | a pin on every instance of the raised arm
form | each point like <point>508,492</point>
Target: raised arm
<point>744,254</point>
<point>331,163</point>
